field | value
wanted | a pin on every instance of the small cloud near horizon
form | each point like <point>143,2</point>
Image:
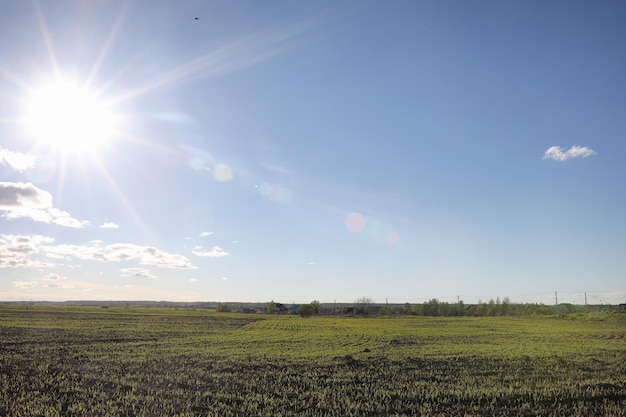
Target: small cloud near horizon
<point>215,252</point>
<point>25,284</point>
<point>556,153</point>
<point>109,225</point>
<point>137,273</point>
<point>205,234</point>
<point>53,280</point>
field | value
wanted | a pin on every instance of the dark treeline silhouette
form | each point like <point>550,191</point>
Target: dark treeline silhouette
<point>365,306</point>
<point>491,308</point>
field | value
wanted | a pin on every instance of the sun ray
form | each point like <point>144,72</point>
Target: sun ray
<point>240,54</point>
<point>48,40</point>
<point>61,181</point>
<point>107,45</point>
<point>123,200</point>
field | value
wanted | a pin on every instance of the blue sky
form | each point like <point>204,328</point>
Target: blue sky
<point>294,151</point>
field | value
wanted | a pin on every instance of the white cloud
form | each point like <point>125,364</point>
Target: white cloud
<point>205,234</point>
<point>56,281</point>
<point>52,277</point>
<point>18,161</point>
<point>63,218</point>
<point>109,225</point>
<point>83,252</point>
<point>24,200</point>
<point>25,241</point>
<point>557,153</point>
<point>16,251</point>
<point>193,280</point>
<point>17,195</point>
<point>137,273</point>
<point>119,252</point>
<point>147,255</point>
<point>215,252</point>
<point>24,284</point>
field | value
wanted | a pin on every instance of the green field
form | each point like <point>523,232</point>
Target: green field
<point>89,361</point>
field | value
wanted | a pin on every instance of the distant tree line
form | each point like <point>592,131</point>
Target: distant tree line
<point>365,306</point>
<point>492,308</point>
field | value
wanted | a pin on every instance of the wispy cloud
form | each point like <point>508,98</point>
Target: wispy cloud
<point>25,200</point>
<point>557,153</point>
<point>214,252</point>
<point>21,251</point>
<point>137,273</point>
<point>16,160</point>
<point>119,252</point>
<point>205,234</point>
<point>109,225</point>
<point>24,284</point>
<point>49,215</point>
<point>53,280</point>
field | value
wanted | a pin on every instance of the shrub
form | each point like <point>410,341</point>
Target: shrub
<point>306,310</point>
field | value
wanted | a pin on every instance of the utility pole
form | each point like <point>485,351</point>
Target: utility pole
<point>458,306</point>
<point>556,299</point>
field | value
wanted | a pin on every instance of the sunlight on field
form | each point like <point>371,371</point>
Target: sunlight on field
<point>97,362</point>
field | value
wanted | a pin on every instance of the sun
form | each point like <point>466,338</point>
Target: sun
<point>68,117</point>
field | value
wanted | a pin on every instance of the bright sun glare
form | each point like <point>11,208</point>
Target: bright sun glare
<point>69,118</point>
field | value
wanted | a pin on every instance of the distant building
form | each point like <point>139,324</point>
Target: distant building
<point>281,309</point>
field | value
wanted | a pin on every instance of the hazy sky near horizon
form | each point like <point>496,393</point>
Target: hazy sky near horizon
<point>249,151</point>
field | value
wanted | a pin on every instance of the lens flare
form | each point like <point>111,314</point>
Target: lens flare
<point>275,192</point>
<point>371,228</point>
<point>355,222</point>
<point>222,173</point>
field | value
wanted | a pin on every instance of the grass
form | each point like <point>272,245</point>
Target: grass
<point>87,361</point>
